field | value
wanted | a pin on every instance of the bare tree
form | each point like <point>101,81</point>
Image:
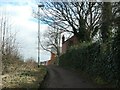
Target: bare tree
<point>51,41</point>
<point>9,46</point>
<point>80,18</point>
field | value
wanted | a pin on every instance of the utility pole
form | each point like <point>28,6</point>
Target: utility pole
<point>39,6</point>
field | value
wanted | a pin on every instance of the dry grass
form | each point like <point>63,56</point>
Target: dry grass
<point>26,75</point>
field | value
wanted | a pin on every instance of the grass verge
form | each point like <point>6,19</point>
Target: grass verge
<point>25,76</point>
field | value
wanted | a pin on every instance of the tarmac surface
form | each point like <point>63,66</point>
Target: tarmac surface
<point>58,77</point>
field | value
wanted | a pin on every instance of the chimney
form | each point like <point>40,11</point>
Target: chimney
<point>63,39</point>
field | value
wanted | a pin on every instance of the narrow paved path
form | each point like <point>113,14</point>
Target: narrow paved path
<point>62,78</point>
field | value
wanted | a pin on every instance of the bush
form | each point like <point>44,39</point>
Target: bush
<point>98,60</point>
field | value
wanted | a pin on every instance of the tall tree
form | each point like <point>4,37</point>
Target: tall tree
<point>106,21</point>
<point>116,15</point>
<point>80,18</point>
<point>116,42</point>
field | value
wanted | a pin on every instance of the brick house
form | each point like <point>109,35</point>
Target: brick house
<point>68,43</point>
<point>65,46</point>
<point>52,59</point>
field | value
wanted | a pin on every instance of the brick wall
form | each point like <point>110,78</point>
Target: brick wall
<point>52,59</point>
<point>69,42</point>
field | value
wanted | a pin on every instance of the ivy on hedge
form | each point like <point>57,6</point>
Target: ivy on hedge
<point>98,60</point>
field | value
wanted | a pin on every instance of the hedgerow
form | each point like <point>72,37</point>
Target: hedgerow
<point>99,61</point>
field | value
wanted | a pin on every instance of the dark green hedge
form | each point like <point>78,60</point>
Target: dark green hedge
<point>98,60</point>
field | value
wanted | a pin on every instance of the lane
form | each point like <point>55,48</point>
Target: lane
<point>58,77</point>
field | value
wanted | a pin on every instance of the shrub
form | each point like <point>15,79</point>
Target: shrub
<point>98,60</point>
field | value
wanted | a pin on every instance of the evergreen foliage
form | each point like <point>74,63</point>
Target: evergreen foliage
<point>98,60</point>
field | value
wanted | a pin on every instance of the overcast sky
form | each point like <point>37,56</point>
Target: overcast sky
<point>26,26</point>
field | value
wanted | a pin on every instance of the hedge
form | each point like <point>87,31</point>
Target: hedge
<point>98,60</point>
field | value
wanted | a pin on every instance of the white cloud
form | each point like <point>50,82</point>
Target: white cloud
<point>27,26</point>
